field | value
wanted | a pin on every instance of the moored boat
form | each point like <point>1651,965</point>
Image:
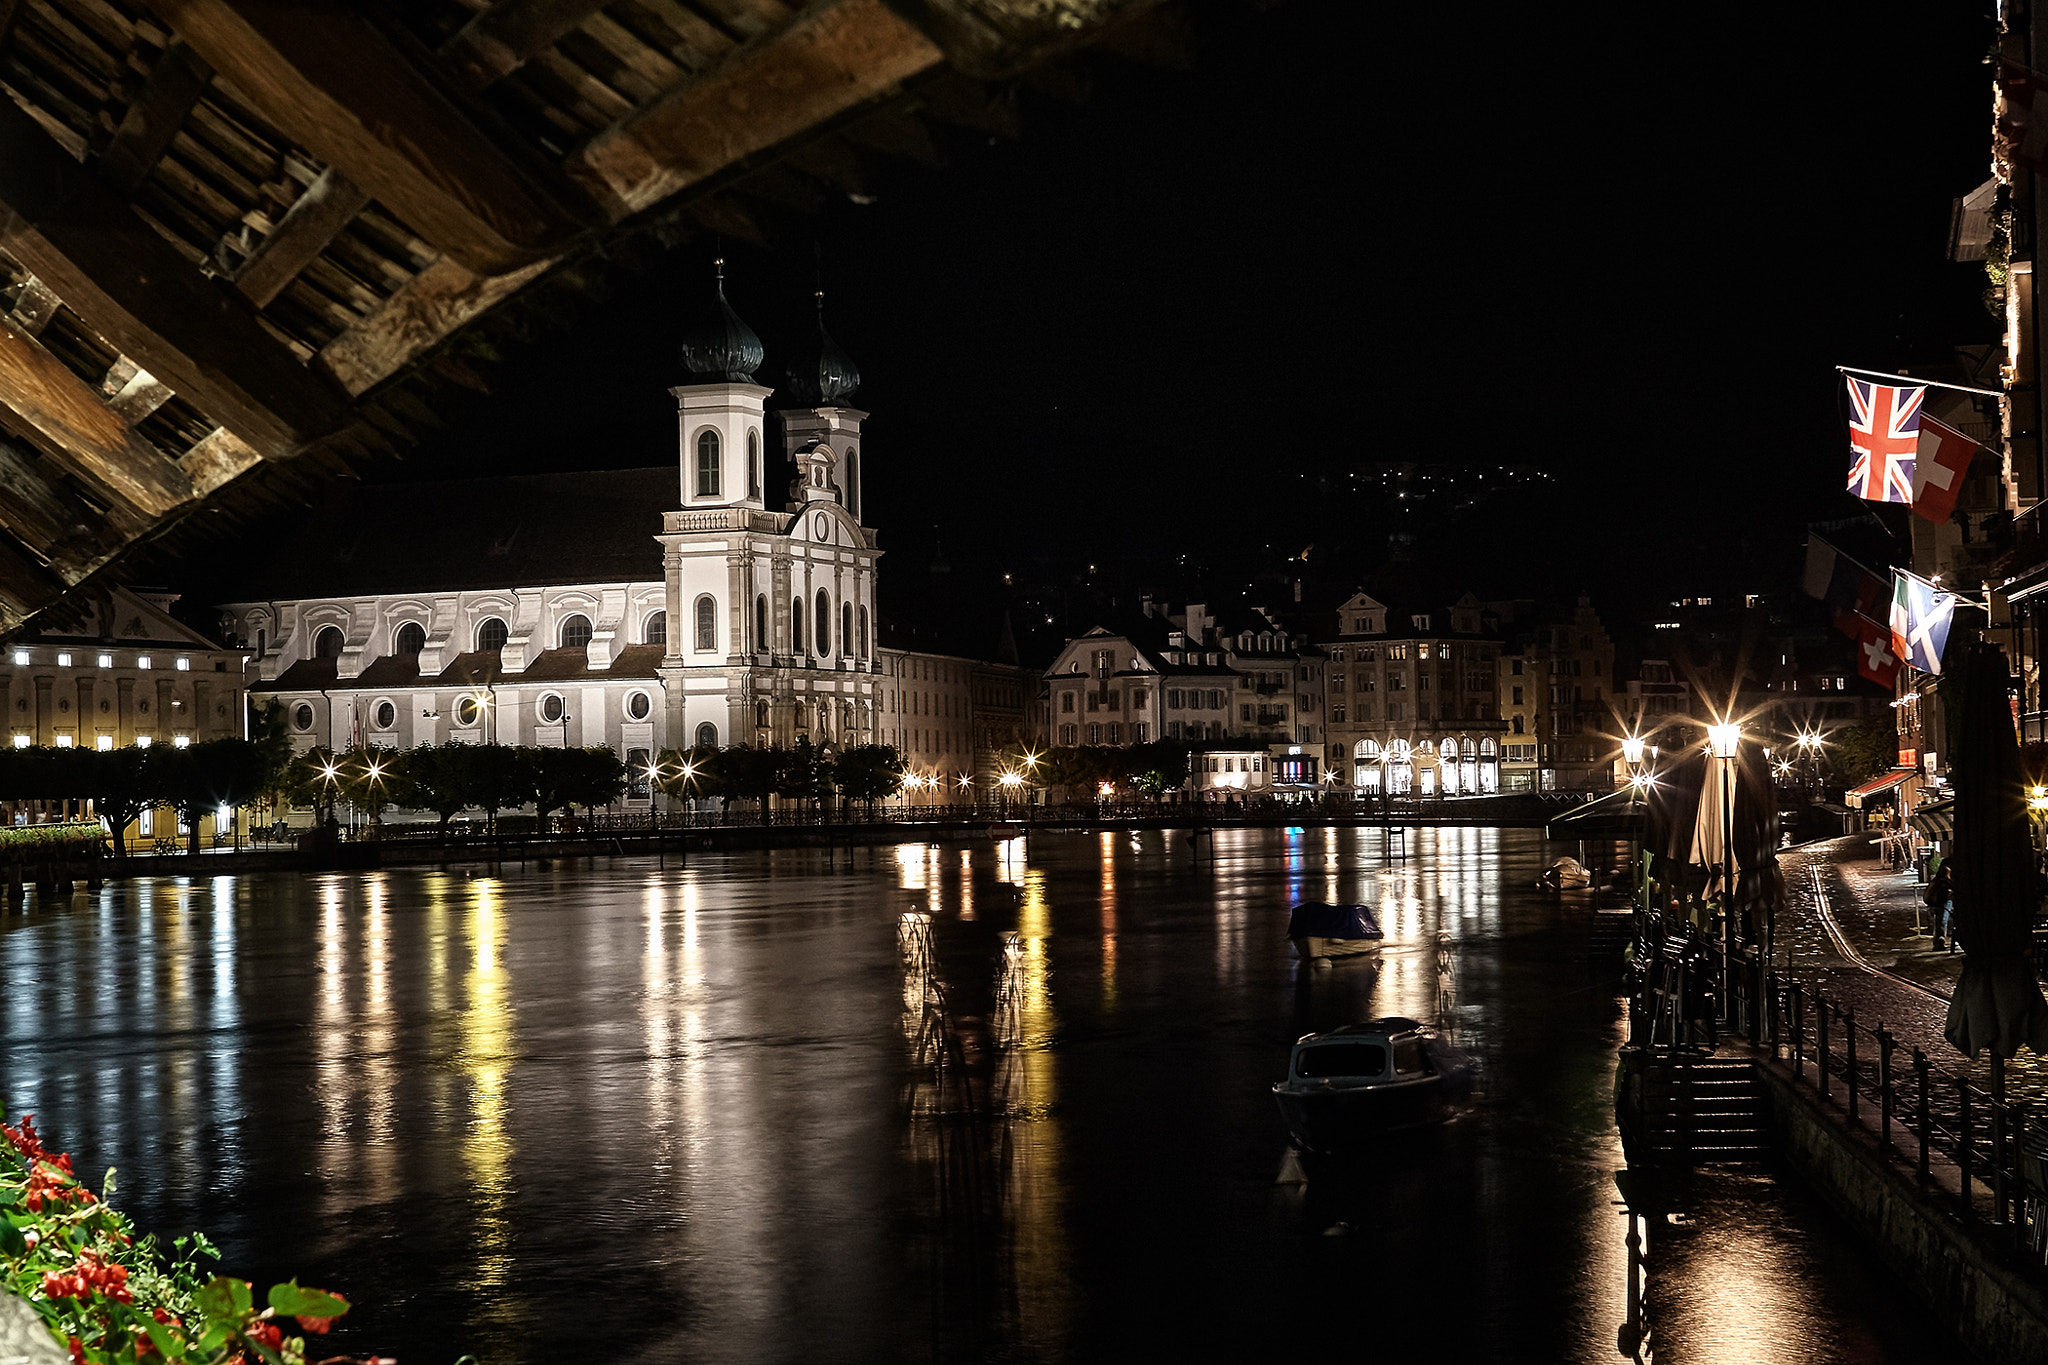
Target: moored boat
<point>1323,932</point>
<point>1352,1084</point>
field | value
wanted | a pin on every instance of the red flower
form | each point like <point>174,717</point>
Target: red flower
<point>268,1334</point>
<point>77,1351</point>
<point>315,1324</point>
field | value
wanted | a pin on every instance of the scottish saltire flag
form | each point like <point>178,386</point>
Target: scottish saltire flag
<point>1884,436</point>
<point>1921,614</point>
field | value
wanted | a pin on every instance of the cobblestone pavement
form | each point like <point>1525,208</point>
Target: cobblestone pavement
<point>1880,914</point>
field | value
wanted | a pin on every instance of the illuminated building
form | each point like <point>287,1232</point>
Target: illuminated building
<point>1413,697</point>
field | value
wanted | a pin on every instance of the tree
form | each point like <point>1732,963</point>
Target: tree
<point>373,779</point>
<point>126,783</point>
<point>1861,752</point>
<point>220,773</point>
<point>597,777</point>
<point>313,780</point>
<point>693,773</point>
<point>1158,767</point>
<point>270,731</point>
<point>494,780</point>
<point>544,775</point>
<point>436,780</point>
<point>805,773</point>
<point>752,774</point>
<point>869,773</point>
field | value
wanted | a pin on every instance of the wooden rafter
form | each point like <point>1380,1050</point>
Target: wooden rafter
<point>337,86</point>
<point>506,36</point>
<point>134,288</point>
<point>175,84</point>
<point>312,222</point>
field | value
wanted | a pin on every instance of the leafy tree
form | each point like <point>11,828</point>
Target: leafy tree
<point>752,774</point>
<point>1864,751</point>
<point>437,780</point>
<point>313,780</point>
<point>693,773</point>
<point>1158,767</point>
<point>203,777</point>
<point>126,784</point>
<point>544,776</point>
<point>494,779</point>
<point>597,777</point>
<point>869,773</point>
<point>373,779</point>
<point>270,731</point>
<point>805,773</point>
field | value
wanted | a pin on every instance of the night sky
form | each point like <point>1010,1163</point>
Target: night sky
<point>1161,331</point>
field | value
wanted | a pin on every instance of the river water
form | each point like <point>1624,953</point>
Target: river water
<point>1002,1102</point>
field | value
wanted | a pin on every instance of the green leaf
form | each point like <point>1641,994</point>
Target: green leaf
<point>160,1336</point>
<point>12,1243</point>
<point>226,1299</point>
<point>107,1185</point>
<point>294,1301</point>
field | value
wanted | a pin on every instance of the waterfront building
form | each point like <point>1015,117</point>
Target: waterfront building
<point>640,609</point>
<point>1412,697</point>
<point>1557,694</point>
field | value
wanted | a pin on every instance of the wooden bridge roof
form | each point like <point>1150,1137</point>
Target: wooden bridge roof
<point>243,242</point>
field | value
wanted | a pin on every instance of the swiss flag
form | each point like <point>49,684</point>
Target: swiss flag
<point>1938,469</point>
<point>1874,657</point>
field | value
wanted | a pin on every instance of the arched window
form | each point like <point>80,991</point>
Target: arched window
<point>707,465</point>
<point>636,772</point>
<point>863,632</point>
<point>707,624</point>
<point>846,627</point>
<point>823,631</point>
<point>1486,749</point>
<point>327,644</point>
<point>761,622</point>
<point>1448,751</point>
<point>657,629</point>
<point>761,714</point>
<point>853,482</point>
<point>412,638</point>
<point>753,464</point>
<point>491,634</point>
<point>576,632</point>
<point>796,625</point>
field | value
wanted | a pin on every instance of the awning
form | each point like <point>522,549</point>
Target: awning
<point>1617,815</point>
<point>1936,819</point>
<point>1877,786</point>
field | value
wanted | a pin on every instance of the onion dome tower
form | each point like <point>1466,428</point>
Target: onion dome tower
<point>820,432</point>
<point>721,410</point>
<point>822,373</point>
<point>722,348</point>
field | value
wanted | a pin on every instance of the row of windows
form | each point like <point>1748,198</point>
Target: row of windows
<point>710,466</point>
<point>1399,750</point>
<point>574,632</point>
<point>66,659</point>
<point>551,708</point>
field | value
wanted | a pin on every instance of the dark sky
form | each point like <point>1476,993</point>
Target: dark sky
<point>1158,327</point>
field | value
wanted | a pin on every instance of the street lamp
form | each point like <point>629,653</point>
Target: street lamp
<point>1723,740</point>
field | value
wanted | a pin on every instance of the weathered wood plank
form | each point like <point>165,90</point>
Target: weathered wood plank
<point>175,84</point>
<point>131,286</point>
<point>39,511</point>
<point>36,306</point>
<point>314,220</point>
<point>218,459</point>
<point>417,318</point>
<point>133,391</point>
<point>85,436</point>
<point>333,83</point>
<point>509,34</point>
<point>826,62</point>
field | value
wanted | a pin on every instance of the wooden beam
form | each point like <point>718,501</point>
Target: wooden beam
<point>133,391</point>
<point>39,511</point>
<point>175,84</point>
<point>219,458</point>
<point>506,36</point>
<point>131,286</point>
<point>425,311</point>
<point>831,59</point>
<point>994,40</point>
<point>333,83</point>
<point>87,438</point>
<point>314,219</point>
<point>26,587</point>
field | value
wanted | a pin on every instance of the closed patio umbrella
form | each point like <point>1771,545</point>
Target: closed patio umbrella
<point>1998,1002</point>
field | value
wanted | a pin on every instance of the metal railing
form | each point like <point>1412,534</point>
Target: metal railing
<point>1983,1135</point>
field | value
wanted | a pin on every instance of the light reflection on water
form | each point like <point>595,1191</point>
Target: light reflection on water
<point>916,1103</point>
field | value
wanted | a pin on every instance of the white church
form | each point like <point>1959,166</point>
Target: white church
<point>640,609</point>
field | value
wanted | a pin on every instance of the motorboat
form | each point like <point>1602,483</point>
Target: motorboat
<point>1352,1084</point>
<point>1323,932</point>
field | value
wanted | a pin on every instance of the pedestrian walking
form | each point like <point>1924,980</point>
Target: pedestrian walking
<point>1940,898</point>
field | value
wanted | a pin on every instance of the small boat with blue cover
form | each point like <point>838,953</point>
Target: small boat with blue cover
<point>1323,932</point>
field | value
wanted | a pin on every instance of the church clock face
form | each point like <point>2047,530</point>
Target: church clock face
<point>822,524</point>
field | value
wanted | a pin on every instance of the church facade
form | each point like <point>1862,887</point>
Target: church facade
<point>640,609</point>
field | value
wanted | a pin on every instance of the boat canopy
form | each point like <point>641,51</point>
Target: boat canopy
<point>1318,919</point>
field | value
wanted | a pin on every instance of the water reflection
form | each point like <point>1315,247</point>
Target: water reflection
<point>1006,1100</point>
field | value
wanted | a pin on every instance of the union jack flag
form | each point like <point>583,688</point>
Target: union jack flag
<point>1884,434</point>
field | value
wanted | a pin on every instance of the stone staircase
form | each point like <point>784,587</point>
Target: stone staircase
<point>1691,1109</point>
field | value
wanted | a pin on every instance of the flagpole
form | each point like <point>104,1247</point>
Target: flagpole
<point>1930,383</point>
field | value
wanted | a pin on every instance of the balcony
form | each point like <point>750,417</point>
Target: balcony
<point>724,519</point>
